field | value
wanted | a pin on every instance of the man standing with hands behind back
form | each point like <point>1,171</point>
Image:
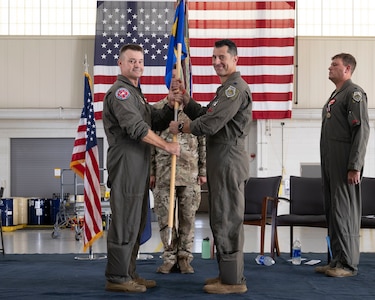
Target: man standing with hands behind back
<point>226,123</point>
<point>344,136</point>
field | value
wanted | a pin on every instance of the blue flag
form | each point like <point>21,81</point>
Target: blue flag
<point>147,232</point>
<point>177,37</point>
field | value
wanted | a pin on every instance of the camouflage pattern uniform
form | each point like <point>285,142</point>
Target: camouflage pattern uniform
<point>190,165</point>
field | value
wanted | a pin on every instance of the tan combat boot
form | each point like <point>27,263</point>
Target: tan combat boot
<point>165,268</point>
<point>148,283</point>
<point>127,287</point>
<point>185,267</point>
<point>340,272</point>
<point>322,269</point>
<point>221,288</point>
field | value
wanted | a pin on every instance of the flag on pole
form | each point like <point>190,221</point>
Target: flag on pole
<point>263,31</point>
<point>186,63</point>
<point>147,231</point>
<point>177,37</point>
<point>85,163</point>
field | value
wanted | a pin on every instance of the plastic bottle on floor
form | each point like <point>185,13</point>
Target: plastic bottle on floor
<point>206,253</point>
<point>296,253</point>
<point>264,260</point>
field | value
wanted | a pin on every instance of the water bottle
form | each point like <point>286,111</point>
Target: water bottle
<point>206,248</point>
<point>296,253</point>
<point>264,260</point>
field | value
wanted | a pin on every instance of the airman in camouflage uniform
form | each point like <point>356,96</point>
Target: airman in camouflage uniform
<point>190,174</point>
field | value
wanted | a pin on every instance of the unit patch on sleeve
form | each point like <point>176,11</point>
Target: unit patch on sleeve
<point>230,91</point>
<point>122,94</point>
<point>357,96</point>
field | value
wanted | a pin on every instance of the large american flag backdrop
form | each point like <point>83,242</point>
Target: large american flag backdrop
<point>263,31</point>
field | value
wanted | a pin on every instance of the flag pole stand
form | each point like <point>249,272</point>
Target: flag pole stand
<point>91,256</point>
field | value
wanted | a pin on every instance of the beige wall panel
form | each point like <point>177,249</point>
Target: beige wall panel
<point>48,85</point>
<point>67,75</point>
<point>313,59</point>
<point>29,94</point>
<point>4,57</point>
<point>41,72</point>
<point>310,89</point>
<point>14,69</point>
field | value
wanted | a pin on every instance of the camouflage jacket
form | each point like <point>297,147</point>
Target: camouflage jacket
<point>191,163</point>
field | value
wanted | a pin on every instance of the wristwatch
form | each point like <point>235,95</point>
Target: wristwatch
<point>180,126</point>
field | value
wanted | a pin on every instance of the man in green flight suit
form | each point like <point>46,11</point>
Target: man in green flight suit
<point>128,123</point>
<point>225,122</point>
<point>344,136</point>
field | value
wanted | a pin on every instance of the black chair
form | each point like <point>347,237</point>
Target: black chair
<point>306,206</point>
<point>368,202</point>
<point>257,211</point>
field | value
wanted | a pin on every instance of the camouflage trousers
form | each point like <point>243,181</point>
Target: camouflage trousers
<point>187,202</point>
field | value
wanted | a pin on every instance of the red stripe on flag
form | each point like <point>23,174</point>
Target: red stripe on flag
<point>153,80</point>
<point>255,79</point>
<point>99,97</point>
<point>111,79</point>
<point>98,115</point>
<point>257,97</point>
<point>250,5</point>
<point>271,96</point>
<point>249,61</point>
<point>103,79</point>
<point>240,24</point>
<point>269,114</point>
<point>152,97</point>
<point>248,42</point>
